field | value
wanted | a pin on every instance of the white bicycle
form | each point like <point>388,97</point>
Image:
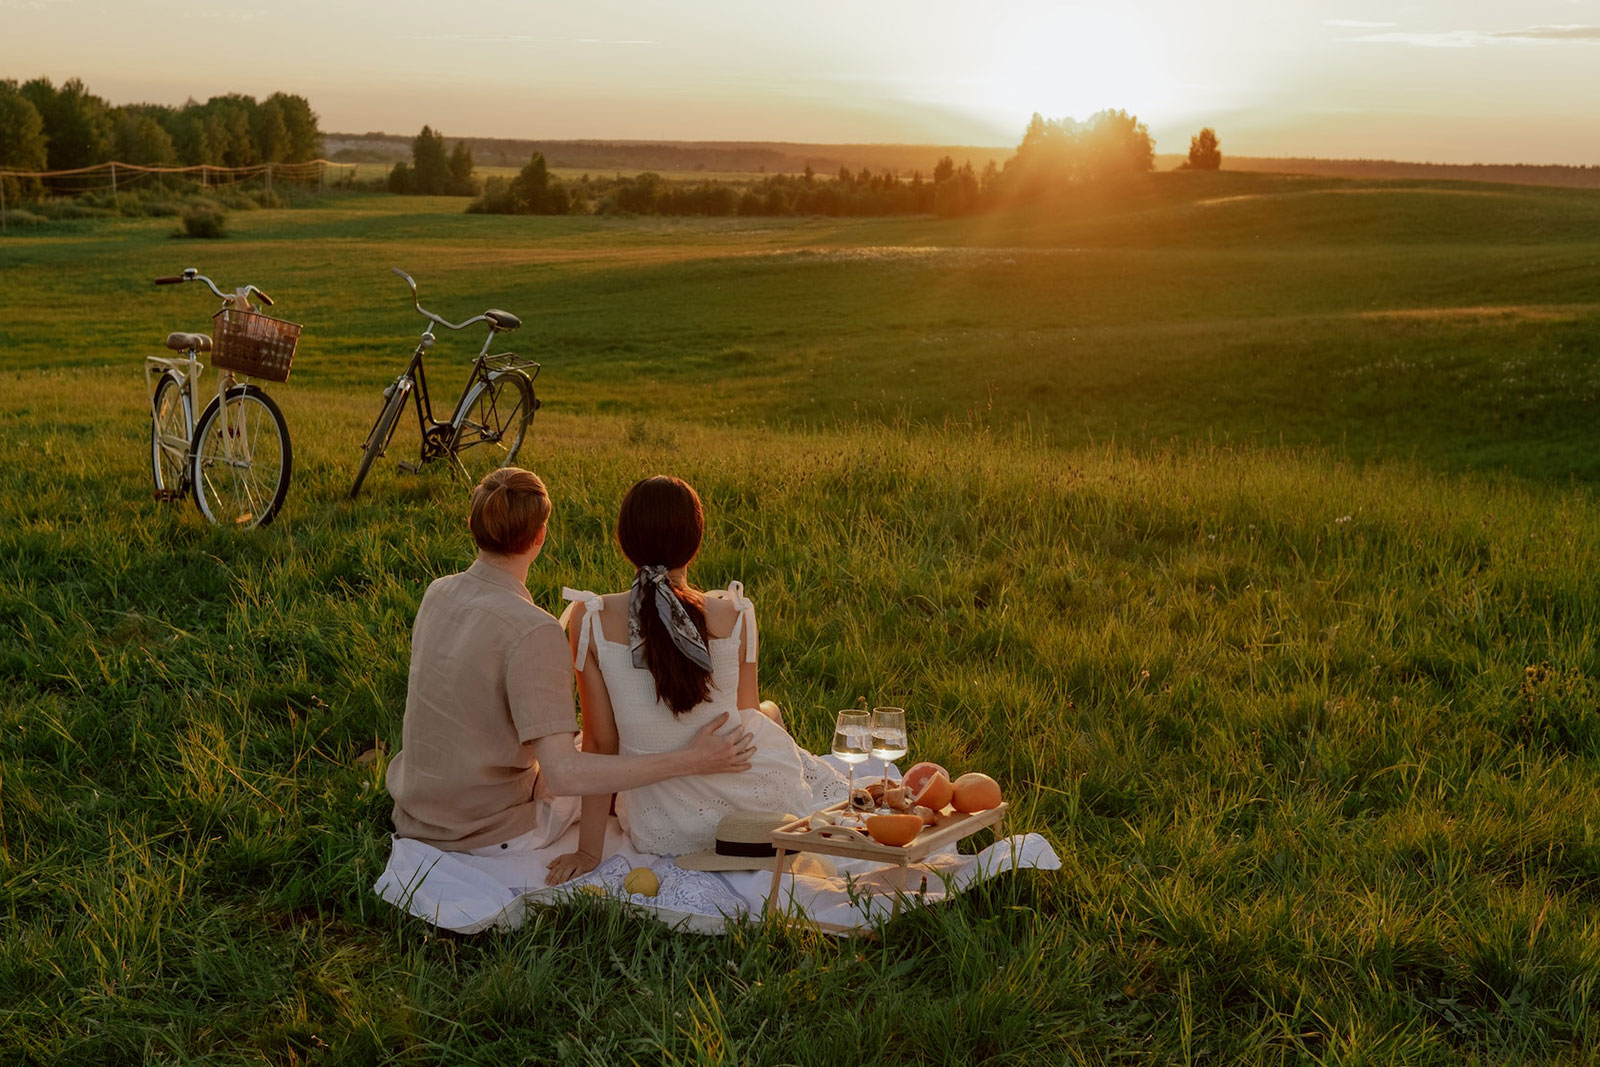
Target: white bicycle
<point>235,459</point>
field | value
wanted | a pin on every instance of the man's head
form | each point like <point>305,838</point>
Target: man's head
<point>509,510</point>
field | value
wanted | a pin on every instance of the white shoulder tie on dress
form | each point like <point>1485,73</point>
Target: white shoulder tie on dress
<point>747,619</point>
<point>594,604</point>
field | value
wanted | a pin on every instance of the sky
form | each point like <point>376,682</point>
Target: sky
<point>1434,81</point>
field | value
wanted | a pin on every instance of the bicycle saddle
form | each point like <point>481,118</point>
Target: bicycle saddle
<point>502,320</point>
<point>182,342</point>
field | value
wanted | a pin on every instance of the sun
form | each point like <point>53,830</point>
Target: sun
<point>1072,62</point>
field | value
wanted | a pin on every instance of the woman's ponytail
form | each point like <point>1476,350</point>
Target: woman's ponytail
<point>659,528</point>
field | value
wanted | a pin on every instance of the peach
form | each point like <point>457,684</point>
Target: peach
<point>929,785</point>
<point>896,830</point>
<point>974,792</point>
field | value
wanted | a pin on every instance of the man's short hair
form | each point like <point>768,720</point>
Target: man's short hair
<point>509,508</point>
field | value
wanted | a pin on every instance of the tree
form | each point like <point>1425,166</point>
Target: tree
<point>141,139</point>
<point>1047,160</point>
<point>230,123</point>
<point>189,139</point>
<point>1205,151</point>
<point>461,183</point>
<point>271,132</point>
<point>76,127</point>
<point>300,124</point>
<point>401,179</point>
<point>430,167</point>
<point>534,192</point>
<point>1117,145</point>
<point>957,194</point>
<point>22,144</point>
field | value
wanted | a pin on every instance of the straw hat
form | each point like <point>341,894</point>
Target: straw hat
<point>744,843</point>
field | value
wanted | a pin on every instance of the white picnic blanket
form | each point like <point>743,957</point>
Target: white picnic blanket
<point>467,893</point>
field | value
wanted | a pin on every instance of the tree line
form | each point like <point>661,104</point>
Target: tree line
<point>49,127</point>
<point>1054,157</point>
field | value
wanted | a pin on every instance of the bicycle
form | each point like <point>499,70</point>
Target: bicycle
<point>490,420</point>
<point>235,459</point>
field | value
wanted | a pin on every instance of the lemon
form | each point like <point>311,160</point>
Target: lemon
<point>642,881</point>
<point>598,891</point>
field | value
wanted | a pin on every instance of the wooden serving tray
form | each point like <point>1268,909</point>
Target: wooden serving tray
<point>799,836</point>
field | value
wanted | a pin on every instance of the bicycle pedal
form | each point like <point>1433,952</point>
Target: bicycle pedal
<point>410,468</point>
<point>167,496</point>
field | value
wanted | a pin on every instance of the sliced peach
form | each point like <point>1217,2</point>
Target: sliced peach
<point>896,830</point>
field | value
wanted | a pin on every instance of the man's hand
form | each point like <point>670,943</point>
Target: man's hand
<point>571,865</point>
<point>712,753</point>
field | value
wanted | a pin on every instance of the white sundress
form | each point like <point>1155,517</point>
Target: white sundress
<point>680,815</point>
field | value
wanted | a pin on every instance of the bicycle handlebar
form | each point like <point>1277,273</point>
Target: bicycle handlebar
<point>190,274</point>
<point>430,315</point>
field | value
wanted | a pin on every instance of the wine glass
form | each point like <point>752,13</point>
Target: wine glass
<point>888,737</point>
<point>852,739</point>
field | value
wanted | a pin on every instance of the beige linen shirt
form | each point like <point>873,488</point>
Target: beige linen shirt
<point>490,673</point>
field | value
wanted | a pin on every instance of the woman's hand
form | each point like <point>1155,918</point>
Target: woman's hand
<point>712,753</point>
<point>571,865</point>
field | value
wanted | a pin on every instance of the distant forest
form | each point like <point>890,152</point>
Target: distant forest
<point>784,157</point>
<point>675,157</point>
<point>48,127</point>
<point>1054,157</point>
<point>1509,173</point>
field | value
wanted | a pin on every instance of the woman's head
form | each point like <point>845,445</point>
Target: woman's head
<point>661,523</point>
<point>509,510</point>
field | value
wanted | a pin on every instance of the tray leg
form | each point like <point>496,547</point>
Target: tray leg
<point>777,879</point>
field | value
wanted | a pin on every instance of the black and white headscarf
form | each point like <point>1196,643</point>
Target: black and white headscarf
<point>673,615</point>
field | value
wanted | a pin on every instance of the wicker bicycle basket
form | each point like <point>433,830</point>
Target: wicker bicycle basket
<point>253,344</point>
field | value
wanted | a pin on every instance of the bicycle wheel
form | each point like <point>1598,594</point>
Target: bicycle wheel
<point>378,437</point>
<point>492,424</point>
<point>171,415</point>
<point>242,462</point>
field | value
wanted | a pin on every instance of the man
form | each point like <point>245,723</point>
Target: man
<point>487,742</point>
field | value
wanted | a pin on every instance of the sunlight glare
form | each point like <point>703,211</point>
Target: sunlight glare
<point>1072,62</point>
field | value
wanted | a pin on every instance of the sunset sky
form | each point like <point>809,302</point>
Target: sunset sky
<point>1459,81</point>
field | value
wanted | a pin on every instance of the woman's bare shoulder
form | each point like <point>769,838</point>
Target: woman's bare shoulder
<point>720,612</point>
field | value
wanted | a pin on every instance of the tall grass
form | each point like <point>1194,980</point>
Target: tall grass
<point>1316,742</point>
<point>1313,726</point>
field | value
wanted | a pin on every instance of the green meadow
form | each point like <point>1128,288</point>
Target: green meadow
<point>1244,527</point>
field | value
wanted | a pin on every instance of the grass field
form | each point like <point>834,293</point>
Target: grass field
<point>1243,527</point>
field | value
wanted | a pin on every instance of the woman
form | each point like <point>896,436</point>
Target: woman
<point>487,734</point>
<point>658,662</point>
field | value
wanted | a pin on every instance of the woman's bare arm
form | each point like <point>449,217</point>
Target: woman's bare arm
<point>569,772</point>
<point>599,736</point>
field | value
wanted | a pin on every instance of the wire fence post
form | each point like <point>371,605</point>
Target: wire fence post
<point>113,180</point>
<point>269,177</point>
<point>321,184</point>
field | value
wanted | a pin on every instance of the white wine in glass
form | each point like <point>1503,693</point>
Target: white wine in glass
<point>888,737</point>
<point>852,740</point>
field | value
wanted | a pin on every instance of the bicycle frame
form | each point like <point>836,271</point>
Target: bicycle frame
<point>187,369</point>
<point>414,379</point>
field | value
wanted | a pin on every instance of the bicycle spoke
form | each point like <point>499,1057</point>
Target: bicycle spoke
<point>242,466</point>
<point>490,432</point>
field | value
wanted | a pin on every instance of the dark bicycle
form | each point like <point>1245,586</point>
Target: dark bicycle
<point>490,419</point>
